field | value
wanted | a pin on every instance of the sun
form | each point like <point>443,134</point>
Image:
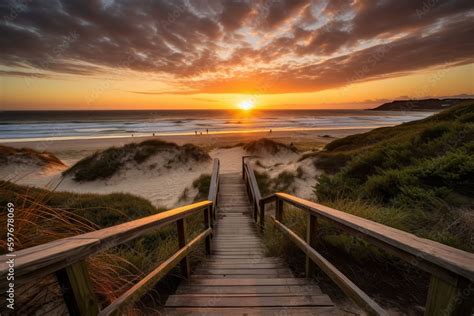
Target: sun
<point>246,105</point>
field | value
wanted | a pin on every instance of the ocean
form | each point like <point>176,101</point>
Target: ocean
<point>55,125</point>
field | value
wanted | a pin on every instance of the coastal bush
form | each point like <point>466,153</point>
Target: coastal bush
<point>103,165</point>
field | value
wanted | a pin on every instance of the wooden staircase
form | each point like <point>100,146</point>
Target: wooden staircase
<point>238,279</point>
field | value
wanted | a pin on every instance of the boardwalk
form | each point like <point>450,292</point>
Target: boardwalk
<point>238,279</point>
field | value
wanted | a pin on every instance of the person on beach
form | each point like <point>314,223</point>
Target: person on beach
<point>196,132</point>
<point>207,131</point>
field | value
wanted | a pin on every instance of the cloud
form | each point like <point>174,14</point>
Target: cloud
<point>264,46</point>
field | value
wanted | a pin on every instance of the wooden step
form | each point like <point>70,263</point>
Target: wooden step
<point>259,311</point>
<point>249,300</point>
<point>248,289</point>
<point>247,281</point>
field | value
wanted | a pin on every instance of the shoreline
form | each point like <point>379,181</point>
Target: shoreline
<point>145,135</point>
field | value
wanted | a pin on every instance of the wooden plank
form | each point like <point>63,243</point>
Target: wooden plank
<point>244,265</point>
<point>207,224</point>
<point>249,271</point>
<point>447,299</point>
<point>264,289</point>
<point>248,281</point>
<point>39,261</point>
<point>260,311</point>
<point>311,241</point>
<point>139,289</point>
<point>77,290</point>
<point>346,285</point>
<point>233,261</point>
<point>249,301</point>
<point>239,276</point>
<point>185,267</point>
<point>449,258</point>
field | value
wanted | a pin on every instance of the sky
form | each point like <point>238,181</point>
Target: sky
<point>214,54</point>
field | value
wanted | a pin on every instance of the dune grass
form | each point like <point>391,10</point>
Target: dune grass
<point>268,145</point>
<point>27,155</point>
<point>104,164</point>
<point>417,177</point>
<point>424,168</point>
<point>202,184</point>
<point>42,216</point>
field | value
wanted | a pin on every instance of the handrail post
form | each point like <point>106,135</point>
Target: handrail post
<point>207,215</point>
<point>279,209</point>
<point>262,216</point>
<point>311,240</point>
<point>76,288</point>
<point>448,299</point>
<point>185,267</point>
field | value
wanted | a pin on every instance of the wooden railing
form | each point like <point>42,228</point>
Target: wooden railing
<point>66,258</point>
<point>214,189</point>
<point>451,290</point>
<point>253,190</point>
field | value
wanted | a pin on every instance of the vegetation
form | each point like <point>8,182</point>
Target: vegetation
<point>27,155</point>
<point>424,169</point>
<point>202,184</point>
<point>416,177</point>
<point>42,216</point>
<point>105,164</point>
<point>283,182</point>
<point>269,146</point>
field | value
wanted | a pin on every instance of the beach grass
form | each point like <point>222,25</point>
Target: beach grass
<point>42,216</point>
<point>104,164</point>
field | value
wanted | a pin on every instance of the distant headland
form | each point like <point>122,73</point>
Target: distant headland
<point>419,105</point>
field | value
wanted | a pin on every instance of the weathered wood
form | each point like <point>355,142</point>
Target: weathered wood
<point>248,301</point>
<point>261,220</point>
<point>253,311</point>
<point>346,285</point>
<point>447,299</point>
<point>207,224</point>
<point>39,261</point>
<point>279,210</point>
<point>247,289</point>
<point>311,241</point>
<point>422,250</point>
<point>248,281</point>
<point>181,228</point>
<point>214,190</point>
<point>137,291</point>
<point>77,291</point>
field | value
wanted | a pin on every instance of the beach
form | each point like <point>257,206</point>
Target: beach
<point>74,135</point>
<point>163,189</point>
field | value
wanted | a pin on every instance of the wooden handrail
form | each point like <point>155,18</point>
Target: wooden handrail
<point>214,189</point>
<point>65,257</point>
<point>451,259</point>
<point>452,270</point>
<point>252,188</point>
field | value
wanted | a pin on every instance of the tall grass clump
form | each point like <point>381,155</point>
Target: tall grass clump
<point>42,216</point>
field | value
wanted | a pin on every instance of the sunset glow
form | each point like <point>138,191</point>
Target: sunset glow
<point>288,54</point>
<point>246,105</point>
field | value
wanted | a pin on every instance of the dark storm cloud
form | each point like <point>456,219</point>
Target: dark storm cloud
<point>186,39</point>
